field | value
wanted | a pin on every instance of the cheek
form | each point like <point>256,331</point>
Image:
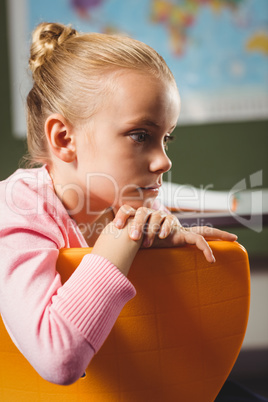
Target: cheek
<point>102,183</point>
<point>101,192</point>
<point>122,166</point>
<point>115,166</point>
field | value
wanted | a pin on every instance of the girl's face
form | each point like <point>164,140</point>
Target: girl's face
<point>122,156</point>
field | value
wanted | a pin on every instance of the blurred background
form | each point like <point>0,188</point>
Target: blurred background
<point>222,136</point>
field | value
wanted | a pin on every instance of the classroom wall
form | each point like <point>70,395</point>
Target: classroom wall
<point>215,155</point>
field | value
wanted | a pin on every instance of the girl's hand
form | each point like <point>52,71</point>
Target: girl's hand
<point>197,235</point>
<point>146,222</point>
<point>161,229</point>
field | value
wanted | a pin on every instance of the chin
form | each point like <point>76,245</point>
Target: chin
<point>148,203</point>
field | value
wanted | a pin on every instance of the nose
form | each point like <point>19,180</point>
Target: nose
<point>159,162</point>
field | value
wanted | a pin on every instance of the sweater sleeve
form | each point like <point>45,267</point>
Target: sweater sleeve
<point>58,328</point>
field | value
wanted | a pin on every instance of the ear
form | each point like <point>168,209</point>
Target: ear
<point>60,137</point>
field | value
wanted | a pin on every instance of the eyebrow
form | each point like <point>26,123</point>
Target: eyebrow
<point>144,121</point>
<point>147,123</point>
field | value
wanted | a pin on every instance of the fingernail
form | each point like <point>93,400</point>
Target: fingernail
<point>118,223</point>
<point>135,235</point>
<point>162,234</point>
<point>214,259</point>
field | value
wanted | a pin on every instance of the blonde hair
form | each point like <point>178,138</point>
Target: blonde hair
<point>69,71</point>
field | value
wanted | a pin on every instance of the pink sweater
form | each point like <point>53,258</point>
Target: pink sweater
<point>58,328</point>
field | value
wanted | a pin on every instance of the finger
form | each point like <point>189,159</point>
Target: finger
<point>122,215</point>
<point>201,244</point>
<point>153,227</point>
<point>214,234</point>
<point>168,226</point>
<point>139,221</point>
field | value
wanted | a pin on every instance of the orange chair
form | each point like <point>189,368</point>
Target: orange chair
<point>177,340</point>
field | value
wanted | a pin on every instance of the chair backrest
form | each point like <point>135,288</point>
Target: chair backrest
<point>177,340</point>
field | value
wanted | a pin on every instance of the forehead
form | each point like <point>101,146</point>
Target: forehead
<point>135,80</point>
<point>134,92</point>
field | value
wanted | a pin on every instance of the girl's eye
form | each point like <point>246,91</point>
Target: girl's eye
<point>167,140</point>
<point>139,136</point>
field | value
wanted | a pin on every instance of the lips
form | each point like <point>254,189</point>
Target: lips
<point>153,187</point>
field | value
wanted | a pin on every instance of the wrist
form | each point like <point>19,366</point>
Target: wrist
<point>116,246</point>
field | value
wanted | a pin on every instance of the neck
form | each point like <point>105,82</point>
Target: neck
<point>91,227</point>
<point>90,223</point>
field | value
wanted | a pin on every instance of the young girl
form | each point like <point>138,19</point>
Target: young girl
<point>100,115</point>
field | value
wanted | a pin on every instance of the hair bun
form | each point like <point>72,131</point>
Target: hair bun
<point>46,37</point>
